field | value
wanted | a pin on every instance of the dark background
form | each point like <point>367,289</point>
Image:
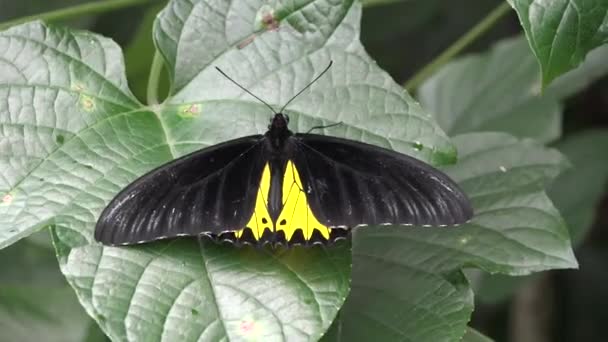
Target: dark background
<point>403,37</point>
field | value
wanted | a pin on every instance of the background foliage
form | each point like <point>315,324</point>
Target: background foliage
<point>67,106</point>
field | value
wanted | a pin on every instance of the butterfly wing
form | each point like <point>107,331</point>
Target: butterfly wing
<point>212,190</point>
<point>351,183</point>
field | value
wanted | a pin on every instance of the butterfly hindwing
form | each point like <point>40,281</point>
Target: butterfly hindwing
<point>212,191</point>
<point>351,183</point>
<point>296,220</point>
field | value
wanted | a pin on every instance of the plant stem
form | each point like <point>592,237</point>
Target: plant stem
<point>154,79</point>
<point>457,47</point>
<point>78,10</point>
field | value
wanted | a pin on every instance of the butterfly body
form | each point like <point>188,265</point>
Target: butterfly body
<point>278,149</point>
<point>281,188</point>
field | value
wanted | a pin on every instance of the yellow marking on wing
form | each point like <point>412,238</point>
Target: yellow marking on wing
<point>260,213</point>
<point>296,213</point>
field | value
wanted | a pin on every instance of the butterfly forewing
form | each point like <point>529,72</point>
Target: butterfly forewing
<point>209,191</point>
<point>351,183</point>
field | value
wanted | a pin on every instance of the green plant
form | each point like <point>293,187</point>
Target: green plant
<point>73,134</point>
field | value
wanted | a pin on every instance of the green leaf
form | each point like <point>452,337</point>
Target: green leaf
<point>76,136</point>
<point>370,106</point>
<point>500,91</point>
<point>407,283</point>
<point>60,91</point>
<point>183,291</point>
<point>577,193</point>
<point>562,32</point>
<point>506,97</point>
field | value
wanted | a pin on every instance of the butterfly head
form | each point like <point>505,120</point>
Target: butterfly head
<point>278,131</point>
<point>279,122</point>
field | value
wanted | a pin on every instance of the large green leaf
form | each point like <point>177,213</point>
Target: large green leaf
<point>576,193</point>
<point>274,64</point>
<point>562,32</point>
<point>500,91</point>
<point>407,283</point>
<point>60,92</point>
<point>73,136</point>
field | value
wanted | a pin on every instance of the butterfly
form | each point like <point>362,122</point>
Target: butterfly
<point>281,188</point>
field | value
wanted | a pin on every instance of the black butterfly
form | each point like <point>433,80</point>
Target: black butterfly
<point>281,188</point>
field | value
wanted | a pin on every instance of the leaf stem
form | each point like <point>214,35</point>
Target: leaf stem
<point>73,11</point>
<point>154,79</point>
<point>457,47</point>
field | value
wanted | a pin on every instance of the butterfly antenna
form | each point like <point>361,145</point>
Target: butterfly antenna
<point>247,91</point>
<point>309,84</point>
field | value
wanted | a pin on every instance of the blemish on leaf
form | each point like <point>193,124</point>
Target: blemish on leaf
<point>194,312</point>
<point>190,111</point>
<point>267,18</point>
<point>464,240</point>
<point>417,145</point>
<point>7,199</point>
<point>89,167</point>
<point>247,327</point>
<point>60,139</point>
<point>78,87</point>
<point>246,41</point>
<point>87,103</point>
<point>502,168</point>
<point>270,22</point>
